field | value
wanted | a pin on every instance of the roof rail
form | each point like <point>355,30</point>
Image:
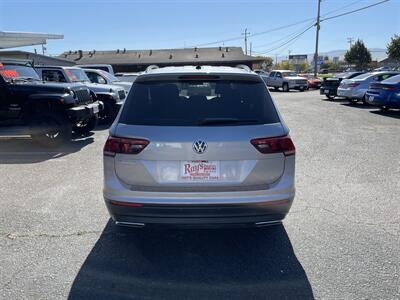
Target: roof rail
<point>151,67</point>
<point>244,67</point>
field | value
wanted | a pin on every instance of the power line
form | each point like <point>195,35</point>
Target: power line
<point>355,10</point>
<point>287,42</point>
<point>284,38</point>
<point>341,8</point>
<point>256,34</point>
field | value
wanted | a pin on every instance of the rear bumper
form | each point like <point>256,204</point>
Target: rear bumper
<point>388,100</point>
<point>198,209</point>
<point>351,93</point>
<point>84,112</point>
<point>238,215</point>
<point>331,91</point>
<point>298,86</point>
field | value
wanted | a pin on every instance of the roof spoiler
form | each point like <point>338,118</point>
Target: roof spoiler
<point>244,67</point>
<point>151,67</point>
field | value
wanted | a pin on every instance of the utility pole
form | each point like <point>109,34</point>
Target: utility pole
<point>246,34</point>
<point>250,48</point>
<point>350,41</point>
<point>276,59</point>
<point>317,40</point>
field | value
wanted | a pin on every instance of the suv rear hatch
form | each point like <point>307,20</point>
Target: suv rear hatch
<point>199,133</point>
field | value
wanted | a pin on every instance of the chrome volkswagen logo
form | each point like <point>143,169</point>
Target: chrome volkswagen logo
<point>199,146</point>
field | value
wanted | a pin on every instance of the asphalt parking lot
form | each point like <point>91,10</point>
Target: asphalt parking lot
<point>341,239</point>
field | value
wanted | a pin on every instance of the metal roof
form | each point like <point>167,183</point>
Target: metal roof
<point>160,57</point>
<point>37,59</point>
<point>197,69</point>
<point>10,39</point>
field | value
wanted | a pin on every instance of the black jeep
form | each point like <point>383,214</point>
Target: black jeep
<point>48,112</point>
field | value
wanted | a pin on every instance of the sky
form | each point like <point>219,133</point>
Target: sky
<point>108,24</point>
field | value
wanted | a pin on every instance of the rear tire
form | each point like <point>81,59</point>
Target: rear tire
<point>276,88</point>
<point>50,129</point>
<point>285,87</point>
<point>384,109</point>
<point>364,101</point>
<point>353,101</point>
<point>107,114</point>
<point>85,126</point>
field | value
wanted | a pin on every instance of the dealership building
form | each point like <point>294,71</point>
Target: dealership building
<point>124,60</point>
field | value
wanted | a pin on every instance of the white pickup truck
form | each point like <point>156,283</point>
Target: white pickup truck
<point>287,80</point>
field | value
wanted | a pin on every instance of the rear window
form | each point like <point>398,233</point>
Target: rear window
<point>199,103</point>
<point>394,79</point>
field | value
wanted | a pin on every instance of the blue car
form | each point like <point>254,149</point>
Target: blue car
<point>385,94</point>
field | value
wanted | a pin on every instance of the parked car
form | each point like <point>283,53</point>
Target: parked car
<point>286,80</point>
<point>209,145</point>
<point>127,77</point>
<point>104,67</point>
<point>385,94</point>
<point>261,72</point>
<point>383,69</point>
<point>103,77</point>
<point>48,112</point>
<point>111,95</point>
<point>330,85</point>
<point>354,89</point>
<point>312,82</point>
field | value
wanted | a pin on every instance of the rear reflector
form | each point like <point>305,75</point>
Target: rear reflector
<point>275,145</point>
<point>124,146</point>
<point>131,204</point>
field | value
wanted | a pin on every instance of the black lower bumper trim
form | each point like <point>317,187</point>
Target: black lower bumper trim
<point>240,215</point>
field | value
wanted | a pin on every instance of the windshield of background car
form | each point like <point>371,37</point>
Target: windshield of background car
<point>109,76</point>
<point>286,74</point>
<point>188,103</point>
<point>76,75</point>
<point>9,72</point>
<point>393,79</point>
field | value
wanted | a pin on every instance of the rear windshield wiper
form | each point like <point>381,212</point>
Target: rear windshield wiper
<point>25,79</point>
<point>226,121</point>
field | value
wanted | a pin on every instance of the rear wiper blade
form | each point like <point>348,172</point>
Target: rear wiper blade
<point>225,121</point>
<point>27,79</point>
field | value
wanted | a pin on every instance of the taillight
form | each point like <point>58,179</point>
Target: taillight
<point>124,145</point>
<point>275,145</point>
<point>353,84</point>
<point>389,87</point>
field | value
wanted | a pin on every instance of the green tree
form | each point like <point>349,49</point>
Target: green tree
<point>284,65</point>
<point>268,61</point>
<point>393,48</point>
<point>358,55</point>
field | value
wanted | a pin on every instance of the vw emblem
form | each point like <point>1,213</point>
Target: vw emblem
<point>199,146</point>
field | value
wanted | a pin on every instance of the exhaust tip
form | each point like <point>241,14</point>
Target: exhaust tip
<point>268,223</point>
<point>130,224</point>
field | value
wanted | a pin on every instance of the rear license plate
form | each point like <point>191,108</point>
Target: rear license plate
<point>326,91</point>
<point>200,170</point>
<point>95,109</point>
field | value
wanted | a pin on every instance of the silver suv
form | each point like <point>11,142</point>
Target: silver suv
<point>199,146</point>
